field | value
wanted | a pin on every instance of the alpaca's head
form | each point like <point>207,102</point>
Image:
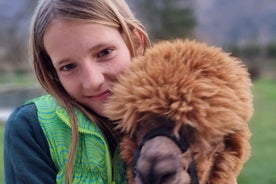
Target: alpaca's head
<point>197,91</point>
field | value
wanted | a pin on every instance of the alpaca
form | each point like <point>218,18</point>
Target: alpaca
<point>183,109</point>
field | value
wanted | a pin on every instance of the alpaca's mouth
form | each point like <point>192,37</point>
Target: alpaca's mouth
<point>181,143</point>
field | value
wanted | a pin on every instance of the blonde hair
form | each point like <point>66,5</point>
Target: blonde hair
<point>115,13</point>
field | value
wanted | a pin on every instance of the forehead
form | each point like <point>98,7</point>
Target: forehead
<point>74,38</point>
<point>65,32</point>
<point>65,25</point>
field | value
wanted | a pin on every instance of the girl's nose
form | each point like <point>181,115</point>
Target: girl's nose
<point>92,77</point>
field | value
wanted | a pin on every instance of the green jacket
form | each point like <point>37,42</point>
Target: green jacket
<point>93,163</point>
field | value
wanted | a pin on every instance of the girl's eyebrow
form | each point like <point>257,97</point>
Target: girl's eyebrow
<point>62,62</point>
<point>94,48</point>
<point>103,45</point>
<point>99,46</point>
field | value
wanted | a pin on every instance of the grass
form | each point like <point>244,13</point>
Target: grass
<point>262,165</point>
<point>1,153</point>
<point>17,79</point>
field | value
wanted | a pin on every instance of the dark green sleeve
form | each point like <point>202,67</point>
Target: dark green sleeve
<point>26,151</point>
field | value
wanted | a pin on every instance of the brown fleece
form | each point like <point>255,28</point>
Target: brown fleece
<point>194,85</point>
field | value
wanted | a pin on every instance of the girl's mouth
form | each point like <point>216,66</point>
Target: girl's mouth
<point>100,97</point>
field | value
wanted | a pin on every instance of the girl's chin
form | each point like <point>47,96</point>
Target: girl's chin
<point>97,109</point>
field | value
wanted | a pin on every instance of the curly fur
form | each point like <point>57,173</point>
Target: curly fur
<point>194,85</point>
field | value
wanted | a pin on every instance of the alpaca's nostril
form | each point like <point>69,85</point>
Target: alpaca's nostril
<point>166,177</point>
<point>155,176</point>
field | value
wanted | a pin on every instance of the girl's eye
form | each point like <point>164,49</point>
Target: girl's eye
<point>68,67</point>
<point>105,53</point>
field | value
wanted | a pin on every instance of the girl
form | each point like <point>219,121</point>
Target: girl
<point>78,47</point>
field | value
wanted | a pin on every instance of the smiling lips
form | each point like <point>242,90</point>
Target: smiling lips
<point>100,96</point>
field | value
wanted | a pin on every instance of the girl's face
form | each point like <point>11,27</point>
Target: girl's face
<point>88,58</point>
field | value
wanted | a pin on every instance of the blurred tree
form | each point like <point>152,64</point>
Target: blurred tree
<point>166,19</point>
<point>271,50</point>
<point>14,33</point>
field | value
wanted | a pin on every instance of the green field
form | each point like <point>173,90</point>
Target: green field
<point>262,164</point>
<point>1,153</point>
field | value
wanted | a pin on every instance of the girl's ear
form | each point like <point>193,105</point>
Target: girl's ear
<point>139,42</point>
